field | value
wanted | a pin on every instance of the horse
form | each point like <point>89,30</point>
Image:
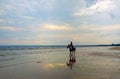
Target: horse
<point>72,52</point>
<point>72,58</point>
<point>71,49</point>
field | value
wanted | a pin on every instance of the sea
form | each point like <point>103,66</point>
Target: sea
<point>14,54</point>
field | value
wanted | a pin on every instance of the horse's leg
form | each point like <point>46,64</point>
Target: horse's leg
<point>74,53</point>
<point>70,55</point>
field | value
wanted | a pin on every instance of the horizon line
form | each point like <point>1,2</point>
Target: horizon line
<point>57,44</point>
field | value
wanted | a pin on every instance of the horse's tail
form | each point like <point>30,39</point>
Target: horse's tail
<point>74,49</point>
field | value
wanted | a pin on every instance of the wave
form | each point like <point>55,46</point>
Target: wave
<point>6,59</point>
<point>34,47</point>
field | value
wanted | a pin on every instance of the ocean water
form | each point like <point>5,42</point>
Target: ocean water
<point>10,55</point>
<point>13,55</point>
<point>22,50</point>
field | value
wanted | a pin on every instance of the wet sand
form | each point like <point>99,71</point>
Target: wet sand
<point>116,48</point>
<point>91,63</point>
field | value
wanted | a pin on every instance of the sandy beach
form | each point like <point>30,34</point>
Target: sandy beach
<point>91,63</point>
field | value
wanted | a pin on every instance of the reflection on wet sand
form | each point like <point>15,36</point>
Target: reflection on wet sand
<point>72,60</point>
<point>53,65</point>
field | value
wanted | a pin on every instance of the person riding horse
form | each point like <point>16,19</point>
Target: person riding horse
<point>72,58</point>
<point>72,50</point>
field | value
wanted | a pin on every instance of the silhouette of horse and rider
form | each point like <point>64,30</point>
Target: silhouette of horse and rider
<point>72,58</point>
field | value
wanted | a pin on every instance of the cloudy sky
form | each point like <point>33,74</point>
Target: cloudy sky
<point>44,22</point>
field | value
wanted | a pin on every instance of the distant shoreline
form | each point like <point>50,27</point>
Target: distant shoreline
<point>59,45</point>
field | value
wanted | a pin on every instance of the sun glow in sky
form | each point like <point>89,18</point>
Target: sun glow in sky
<point>59,22</point>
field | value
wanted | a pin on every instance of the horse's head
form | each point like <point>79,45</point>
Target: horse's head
<point>68,46</point>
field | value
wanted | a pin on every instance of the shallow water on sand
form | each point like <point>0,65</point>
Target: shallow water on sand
<point>91,63</point>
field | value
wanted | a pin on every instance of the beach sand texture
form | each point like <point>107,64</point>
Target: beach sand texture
<point>91,63</point>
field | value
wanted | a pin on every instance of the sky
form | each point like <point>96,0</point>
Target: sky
<point>46,22</point>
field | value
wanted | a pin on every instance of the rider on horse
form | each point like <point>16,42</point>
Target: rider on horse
<point>72,49</point>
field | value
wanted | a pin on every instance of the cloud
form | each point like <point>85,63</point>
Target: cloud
<point>90,2</point>
<point>34,5</point>
<point>47,3</point>
<point>9,7</point>
<point>52,21</point>
<point>104,28</point>
<point>2,12</point>
<point>25,41</point>
<point>96,35</point>
<point>27,17</point>
<point>56,27</point>
<point>1,20</point>
<point>15,41</point>
<point>102,6</point>
<point>91,34</point>
<point>109,28</point>
<point>91,38</point>
<point>10,28</point>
